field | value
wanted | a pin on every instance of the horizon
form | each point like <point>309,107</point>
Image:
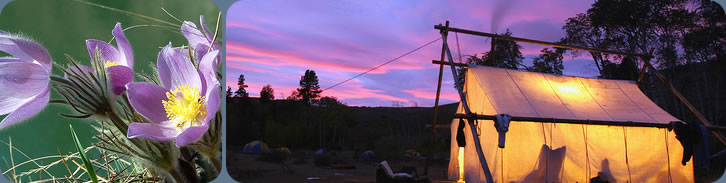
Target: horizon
<point>343,39</point>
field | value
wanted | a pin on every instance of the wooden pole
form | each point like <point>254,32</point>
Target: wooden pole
<point>569,121</point>
<point>464,31</point>
<point>447,63</point>
<point>436,108</point>
<point>578,121</point>
<point>683,99</point>
<point>642,72</point>
<point>472,127</point>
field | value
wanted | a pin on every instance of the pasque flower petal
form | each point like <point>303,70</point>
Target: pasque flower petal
<point>201,50</point>
<point>124,48</point>
<point>108,52</point>
<point>177,69</point>
<point>208,68</point>
<point>146,99</point>
<point>204,28</point>
<point>24,49</point>
<point>193,35</point>
<point>119,76</point>
<point>22,79</point>
<point>35,51</point>
<point>191,134</point>
<point>213,101</point>
<point>12,59</point>
<point>8,105</point>
<point>162,131</point>
<point>163,69</point>
<point>27,110</point>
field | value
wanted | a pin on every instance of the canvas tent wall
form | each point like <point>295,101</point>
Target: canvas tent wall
<point>555,152</point>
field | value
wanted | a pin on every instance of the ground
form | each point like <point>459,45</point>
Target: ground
<point>246,168</point>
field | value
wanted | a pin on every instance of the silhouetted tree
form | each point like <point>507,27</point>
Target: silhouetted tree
<point>241,92</point>
<point>505,54</point>
<point>634,26</point>
<point>309,88</point>
<point>327,101</point>
<point>229,92</point>
<point>580,32</point>
<point>706,40</point>
<point>293,96</point>
<point>626,70</point>
<point>267,93</point>
<point>549,61</point>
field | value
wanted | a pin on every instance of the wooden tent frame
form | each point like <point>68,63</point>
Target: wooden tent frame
<point>471,117</point>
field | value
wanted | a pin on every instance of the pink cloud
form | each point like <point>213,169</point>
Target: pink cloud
<point>248,68</point>
<point>430,93</point>
<point>240,25</point>
<point>357,91</point>
<point>286,57</point>
<point>340,40</point>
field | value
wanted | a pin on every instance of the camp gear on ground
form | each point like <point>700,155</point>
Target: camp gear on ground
<point>384,174</point>
<point>256,147</point>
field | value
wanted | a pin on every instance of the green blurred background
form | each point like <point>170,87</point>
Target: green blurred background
<point>62,26</point>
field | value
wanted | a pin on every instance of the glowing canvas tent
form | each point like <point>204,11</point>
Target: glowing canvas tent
<point>558,152</point>
<point>563,128</point>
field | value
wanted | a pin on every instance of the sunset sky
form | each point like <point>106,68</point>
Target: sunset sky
<point>274,42</point>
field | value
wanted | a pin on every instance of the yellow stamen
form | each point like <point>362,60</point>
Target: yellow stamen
<point>185,107</point>
<point>110,63</point>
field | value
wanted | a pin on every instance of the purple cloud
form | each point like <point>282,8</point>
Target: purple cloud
<point>274,42</point>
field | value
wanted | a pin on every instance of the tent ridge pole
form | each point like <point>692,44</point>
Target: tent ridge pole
<point>576,121</point>
<point>511,38</point>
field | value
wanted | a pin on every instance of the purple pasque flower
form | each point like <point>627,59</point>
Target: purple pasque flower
<point>180,109</point>
<point>118,61</point>
<point>200,40</point>
<point>24,78</point>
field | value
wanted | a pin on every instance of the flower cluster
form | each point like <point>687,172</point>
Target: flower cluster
<point>180,109</point>
<point>180,103</point>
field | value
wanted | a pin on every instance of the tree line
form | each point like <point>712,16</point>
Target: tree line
<point>678,31</point>
<point>308,92</point>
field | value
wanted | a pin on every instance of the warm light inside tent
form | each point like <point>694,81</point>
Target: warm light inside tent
<point>461,164</point>
<point>568,90</point>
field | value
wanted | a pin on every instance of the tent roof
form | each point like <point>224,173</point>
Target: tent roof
<point>529,94</point>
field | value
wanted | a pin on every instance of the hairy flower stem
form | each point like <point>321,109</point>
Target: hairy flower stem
<point>184,172</point>
<point>118,122</point>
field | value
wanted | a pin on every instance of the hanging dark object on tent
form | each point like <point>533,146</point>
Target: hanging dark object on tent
<point>460,139</point>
